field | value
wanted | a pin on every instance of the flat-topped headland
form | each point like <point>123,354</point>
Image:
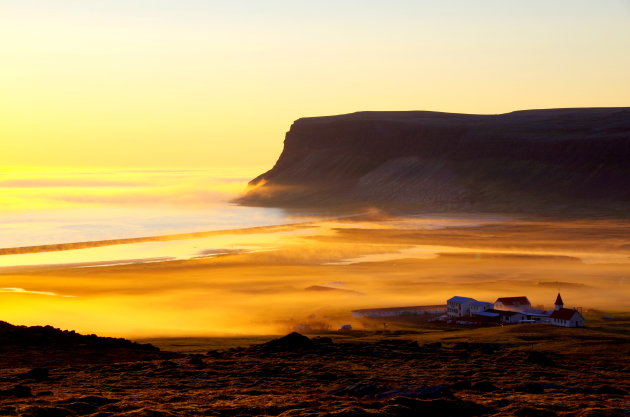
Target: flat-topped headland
<point>557,161</point>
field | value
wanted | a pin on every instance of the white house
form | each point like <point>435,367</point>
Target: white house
<point>479,306</point>
<point>566,317</point>
<point>512,303</point>
<point>459,306</point>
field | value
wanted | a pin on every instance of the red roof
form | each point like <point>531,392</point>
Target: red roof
<point>559,301</point>
<point>514,301</point>
<point>564,314</point>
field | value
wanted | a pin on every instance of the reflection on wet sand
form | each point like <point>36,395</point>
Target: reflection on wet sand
<point>253,282</point>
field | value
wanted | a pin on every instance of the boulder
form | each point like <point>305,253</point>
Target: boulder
<point>37,374</point>
<point>534,412</point>
<point>19,391</point>
<point>438,408</point>
<point>426,392</point>
<point>90,399</point>
<point>530,388</point>
<point>358,390</point>
<point>354,412</point>
<point>290,342</point>
<point>603,412</point>
<point>196,360</point>
<point>461,385</point>
<point>607,389</point>
<point>41,411</point>
<point>484,386</point>
<point>540,358</point>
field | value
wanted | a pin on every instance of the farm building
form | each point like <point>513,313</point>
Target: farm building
<point>479,306</point>
<point>459,306</point>
<point>512,303</point>
<point>500,316</point>
<point>465,307</point>
<point>536,315</point>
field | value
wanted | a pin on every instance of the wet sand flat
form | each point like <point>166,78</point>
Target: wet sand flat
<point>261,283</point>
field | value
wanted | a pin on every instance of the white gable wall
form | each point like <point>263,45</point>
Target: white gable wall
<point>458,308</point>
<point>576,321</point>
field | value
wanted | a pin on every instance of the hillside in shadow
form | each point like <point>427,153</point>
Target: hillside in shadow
<point>558,161</point>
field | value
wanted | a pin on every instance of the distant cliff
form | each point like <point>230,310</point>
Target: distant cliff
<point>559,160</point>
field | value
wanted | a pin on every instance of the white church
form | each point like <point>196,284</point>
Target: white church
<point>566,317</point>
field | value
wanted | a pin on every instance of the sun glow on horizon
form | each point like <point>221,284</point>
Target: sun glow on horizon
<point>217,83</point>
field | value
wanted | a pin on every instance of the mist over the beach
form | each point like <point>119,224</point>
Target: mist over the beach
<point>64,205</point>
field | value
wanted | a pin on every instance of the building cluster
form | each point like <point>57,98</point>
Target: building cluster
<point>466,310</point>
<point>512,310</point>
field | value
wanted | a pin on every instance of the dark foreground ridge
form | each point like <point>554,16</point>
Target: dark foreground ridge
<point>35,345</point>
<point>559,161</point>
<point>297,376</point>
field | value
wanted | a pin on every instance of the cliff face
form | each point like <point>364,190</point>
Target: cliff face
<point>561,159</point>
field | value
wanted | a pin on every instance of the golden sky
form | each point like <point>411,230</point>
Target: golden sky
<point>200,83</point>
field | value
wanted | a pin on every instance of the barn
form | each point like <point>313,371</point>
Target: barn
<point>512,303</point>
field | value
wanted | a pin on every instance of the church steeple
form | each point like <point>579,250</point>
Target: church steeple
<point>559,303</point>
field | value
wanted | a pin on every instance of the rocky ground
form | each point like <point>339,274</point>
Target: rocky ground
<point>300,376</point>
